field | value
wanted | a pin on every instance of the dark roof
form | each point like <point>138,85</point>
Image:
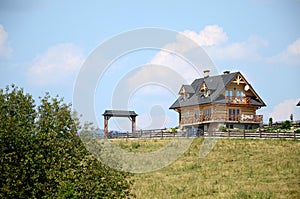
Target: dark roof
<point>215,84</point>
<point>298,103</point>
<point>119,113</point>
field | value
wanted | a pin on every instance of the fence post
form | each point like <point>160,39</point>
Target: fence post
<point>259,134</point>
<point>244,134</point>
<point>162,134</point>
<point>294,134</point>
<point>228,133</point>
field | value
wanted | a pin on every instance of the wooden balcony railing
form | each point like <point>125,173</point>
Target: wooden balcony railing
<point>237,100</point>
<point>234,117</point>
<point>196,119</point>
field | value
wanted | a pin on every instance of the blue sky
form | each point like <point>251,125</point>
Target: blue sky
<point>43,45</point>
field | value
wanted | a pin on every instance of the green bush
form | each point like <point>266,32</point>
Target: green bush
<point>223,128</point>
<point>41,155</point>
<point>286,125</point>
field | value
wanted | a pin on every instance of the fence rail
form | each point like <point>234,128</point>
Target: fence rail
<point>162,133</point>
<point>245,134</point>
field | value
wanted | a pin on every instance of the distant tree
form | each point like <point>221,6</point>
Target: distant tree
<point>270,122</point>
<point>41,155</point>
<point>292,117</point>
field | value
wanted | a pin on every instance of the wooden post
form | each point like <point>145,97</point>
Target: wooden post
<point>244,134</point>
<point>106,118</point>
<point>179,118</point>
<point>133,125</point>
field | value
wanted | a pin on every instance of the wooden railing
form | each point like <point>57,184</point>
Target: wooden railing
<point>237,100</point>
<point>234,117</point>
<point>245,117</point>
<point>196,119</point>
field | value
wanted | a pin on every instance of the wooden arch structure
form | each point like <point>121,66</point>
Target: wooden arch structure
<point>119,113</point>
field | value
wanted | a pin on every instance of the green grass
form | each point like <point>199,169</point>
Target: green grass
<point>235,168</point>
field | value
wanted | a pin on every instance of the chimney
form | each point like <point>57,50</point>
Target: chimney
<point>206,73</point>
<point>226,72</point>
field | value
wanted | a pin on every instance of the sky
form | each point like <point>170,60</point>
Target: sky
<point>45,44</point>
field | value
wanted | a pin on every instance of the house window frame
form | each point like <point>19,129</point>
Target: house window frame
<point>233,114</point>
<point>206,114</point>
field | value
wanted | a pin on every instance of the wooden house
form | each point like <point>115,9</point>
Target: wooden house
<point>209,102</point>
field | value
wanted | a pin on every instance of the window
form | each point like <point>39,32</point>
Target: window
<point>197,113</point>
<point>228,94</point>
<point>229,126</point>
<point>186,114</point>
<point>207,111</point>
<point>206,114</point>
<point>233,114</point>
<point>240,93</point>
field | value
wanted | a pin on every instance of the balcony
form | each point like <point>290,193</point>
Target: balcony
<point>196,119</point>
<point>246,118</point>
<point>237,100</point>
<point>228,118</point>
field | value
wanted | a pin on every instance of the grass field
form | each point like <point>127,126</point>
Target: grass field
<point>235,168</point>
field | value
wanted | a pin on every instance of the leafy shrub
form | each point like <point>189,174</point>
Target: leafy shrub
<point>41,154</point>
<point>223,128</point>
<point>286,125</point>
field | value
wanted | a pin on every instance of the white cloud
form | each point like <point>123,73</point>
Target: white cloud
<point>177,64</point>
<point>291,55</point>
<point>283,110</point>
<point>294,48</point>
<point>211,35</point>
<point>57,66</point>
<point>245,50</point>
<point>5,49</point>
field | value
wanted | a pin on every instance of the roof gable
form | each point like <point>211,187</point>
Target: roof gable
<point>186,89</point>
<point>240,79</point>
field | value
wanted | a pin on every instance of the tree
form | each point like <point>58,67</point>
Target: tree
<point>286,125</point>
<point>43,156</point>
<point>270,122</point>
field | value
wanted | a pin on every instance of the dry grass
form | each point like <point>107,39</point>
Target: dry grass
<point>235,168</point>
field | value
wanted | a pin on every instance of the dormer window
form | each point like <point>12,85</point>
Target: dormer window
<point>206,93</point>
<point>186,92</point>
<point>204,90</point>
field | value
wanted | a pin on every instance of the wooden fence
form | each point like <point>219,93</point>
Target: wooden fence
<point>162,133</point>
<point>260,134</point>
